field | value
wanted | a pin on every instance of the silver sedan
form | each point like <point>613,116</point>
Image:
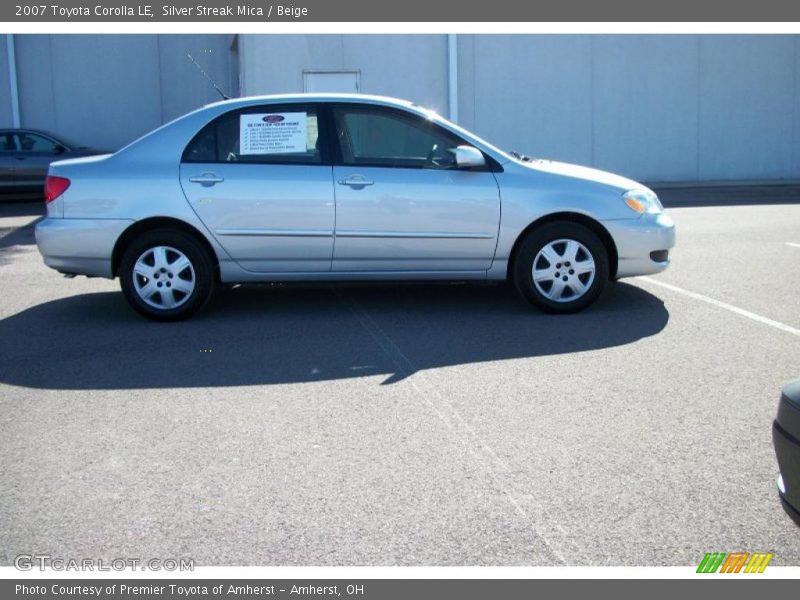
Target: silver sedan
<point>341,188</point>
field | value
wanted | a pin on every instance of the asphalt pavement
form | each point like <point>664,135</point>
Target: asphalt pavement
<point>407,424</point>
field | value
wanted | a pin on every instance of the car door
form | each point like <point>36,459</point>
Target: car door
<point>33,156</point>
<point>260,180</point>
<point>8,147</point>
<point>402,204</point>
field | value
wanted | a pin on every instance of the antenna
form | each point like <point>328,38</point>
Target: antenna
<point>206,75</point>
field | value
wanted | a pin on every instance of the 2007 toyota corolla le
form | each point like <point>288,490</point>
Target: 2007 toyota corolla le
<point>341,187</point>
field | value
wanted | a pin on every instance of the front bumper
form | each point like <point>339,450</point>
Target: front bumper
<point>79,246</point>
<point>786,439</point>
<point>643,244</point>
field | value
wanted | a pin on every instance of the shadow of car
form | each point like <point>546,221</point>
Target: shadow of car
<point>277,334</point>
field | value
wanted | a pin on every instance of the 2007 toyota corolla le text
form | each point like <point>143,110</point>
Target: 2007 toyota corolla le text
<point>341,187</point>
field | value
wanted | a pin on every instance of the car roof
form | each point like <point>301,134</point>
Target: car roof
<point>29,130</point>
<point>317,97</point>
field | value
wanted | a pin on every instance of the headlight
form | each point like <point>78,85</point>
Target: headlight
<point>643,201</point>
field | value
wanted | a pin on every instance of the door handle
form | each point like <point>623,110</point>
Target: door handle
<point>207,179</point>
<point>357,181</point>
<point>20,157</point>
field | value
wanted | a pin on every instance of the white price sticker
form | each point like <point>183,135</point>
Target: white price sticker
<point>273,133</point>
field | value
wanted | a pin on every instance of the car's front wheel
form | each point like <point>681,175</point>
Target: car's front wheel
<point>561,267</point>
<point>166,275</point>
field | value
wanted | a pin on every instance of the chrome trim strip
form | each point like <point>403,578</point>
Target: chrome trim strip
<point>276,232</point>
<point>461,235</point>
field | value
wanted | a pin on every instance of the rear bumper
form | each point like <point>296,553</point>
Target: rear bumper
<point>789,509</point>
<point>786,439</point>
<point>642,244</point>
<point>79,246</point>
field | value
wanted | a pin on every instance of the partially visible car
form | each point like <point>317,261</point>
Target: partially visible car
<point>786,438</point>
<point>25,156</point>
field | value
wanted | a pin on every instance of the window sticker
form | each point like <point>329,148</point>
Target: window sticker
<point>273,133</point>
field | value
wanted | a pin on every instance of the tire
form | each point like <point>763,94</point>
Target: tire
<point>571,264</point>
<point>166,275</point>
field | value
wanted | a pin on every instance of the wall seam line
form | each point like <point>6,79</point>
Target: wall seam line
<point>698,107</point>
<point>793,168</point>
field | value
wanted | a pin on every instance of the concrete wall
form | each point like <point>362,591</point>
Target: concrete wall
<point>407,66</point>
<point>657,108</point>
<point>106,91</point>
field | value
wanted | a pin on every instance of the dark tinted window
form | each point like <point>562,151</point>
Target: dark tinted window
<point>8,142</point>
<point>387,138</point>
<point>31,142</point>
<point>267,134</point>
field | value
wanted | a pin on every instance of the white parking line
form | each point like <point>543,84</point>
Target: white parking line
<point>541,522</point>
<point>726,306</point>
<point>17,222</point>
<point>793,245</point>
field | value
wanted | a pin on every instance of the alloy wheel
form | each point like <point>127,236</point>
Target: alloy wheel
<point>563,270</point>
<point>163,277</point>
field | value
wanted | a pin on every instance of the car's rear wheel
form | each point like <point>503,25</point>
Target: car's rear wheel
<point>166,275</point>
<point>561,267</point>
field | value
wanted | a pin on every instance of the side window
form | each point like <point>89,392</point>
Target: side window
<point>30,142</point>
<point>8,142</point>
<point>386,138</point>
<point>264,135</point>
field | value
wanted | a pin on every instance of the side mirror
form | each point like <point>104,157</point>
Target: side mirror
<point>59,149</point>
<point>467,157</point>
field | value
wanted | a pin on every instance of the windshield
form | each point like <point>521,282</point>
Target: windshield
<point>437,118</point>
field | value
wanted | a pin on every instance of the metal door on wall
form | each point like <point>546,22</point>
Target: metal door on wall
<point>334,82</point>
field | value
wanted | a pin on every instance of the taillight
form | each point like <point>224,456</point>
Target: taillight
<point>54,187</point>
